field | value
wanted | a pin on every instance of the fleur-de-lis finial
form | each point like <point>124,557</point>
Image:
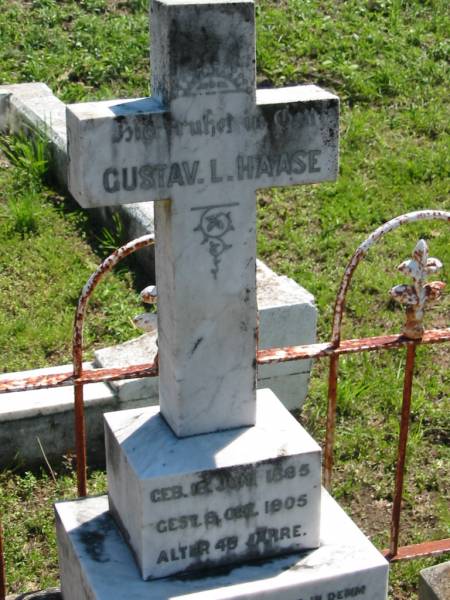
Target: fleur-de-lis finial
<point>147,321</point>
<point>417,296</point>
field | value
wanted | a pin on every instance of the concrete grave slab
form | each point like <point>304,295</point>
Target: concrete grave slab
<point>32,108</point>
<point>45,417</point>
<point>287,316</point>
<point>96,563</point>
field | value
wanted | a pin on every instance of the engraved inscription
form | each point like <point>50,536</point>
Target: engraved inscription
<point>349,592</point>
<point>175,523</point>
<point>273,506</point>
<point>287,118</point>
<point>145,128</point>
<point>244,502</point>
<point>278,472</point>
<point>173,492</point>
<point>211,518</point>
<point>259,540</point>
<point>299,162</point>
<point>148,128</point>
<point>215,223</point>
<point>272,535</point>
<point>229,480</point>
<point>195,550</point>
<point>213,79</point>
<point>151,176</point>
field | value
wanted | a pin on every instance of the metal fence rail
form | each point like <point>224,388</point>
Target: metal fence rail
<point>415,297</point>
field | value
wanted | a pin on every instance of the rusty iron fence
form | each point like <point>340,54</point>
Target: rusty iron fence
<point>415,297</point>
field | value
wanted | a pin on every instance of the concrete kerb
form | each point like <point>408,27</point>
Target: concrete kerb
<point>32,107</point>
<point>287,317</point>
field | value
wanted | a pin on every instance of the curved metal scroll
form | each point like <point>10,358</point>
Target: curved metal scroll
<point>77,347</point>
<point>409,367</point>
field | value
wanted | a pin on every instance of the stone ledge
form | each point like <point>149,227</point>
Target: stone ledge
<point>287,317</point>
<point>30,108</point>
<point>47,415</point>
<point>96,562</point>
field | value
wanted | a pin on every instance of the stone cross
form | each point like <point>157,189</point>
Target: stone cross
<point>201,146</point>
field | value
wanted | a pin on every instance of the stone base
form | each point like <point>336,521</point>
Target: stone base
<point>96,563</point>
<point>184,504</point>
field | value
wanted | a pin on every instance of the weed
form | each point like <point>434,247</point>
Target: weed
<point>23,211</point>
<point>112,237</point>
<point>30,155</point>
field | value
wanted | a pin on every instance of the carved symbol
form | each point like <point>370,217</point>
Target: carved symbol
<point>215,223</point>
<point>210,82</point>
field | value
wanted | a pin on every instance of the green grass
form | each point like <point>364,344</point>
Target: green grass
<point>44,262</point>
<point>388,62</point>
<point>27,506</point>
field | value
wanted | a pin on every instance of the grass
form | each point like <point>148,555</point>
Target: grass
<point>388,62</point>
<point>27,502</point>
<point>44,262</point>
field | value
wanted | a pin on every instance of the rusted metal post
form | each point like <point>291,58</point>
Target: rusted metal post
<point>402,443</point>
<point>80,441</point>
<point>2,566</point>
<point>80,425</point>
<point>331,420</point>
<point>77,349</point>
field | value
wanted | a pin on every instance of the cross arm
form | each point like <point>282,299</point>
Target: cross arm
<point>300,127</point>
<point>117,151</point>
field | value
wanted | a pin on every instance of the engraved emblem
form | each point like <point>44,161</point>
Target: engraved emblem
<point>215,223</point>
<point>209,82</point>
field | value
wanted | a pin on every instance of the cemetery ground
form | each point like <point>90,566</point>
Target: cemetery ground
<point>386,60</point>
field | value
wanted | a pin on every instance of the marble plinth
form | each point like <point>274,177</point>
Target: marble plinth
<point>96,563</point>
<point>214,499</point>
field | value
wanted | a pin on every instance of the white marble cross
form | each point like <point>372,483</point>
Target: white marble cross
<point>201,146</point>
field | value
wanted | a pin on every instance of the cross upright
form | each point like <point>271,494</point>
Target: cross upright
<point>201,146</point>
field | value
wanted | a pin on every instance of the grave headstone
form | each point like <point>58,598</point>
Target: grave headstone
<point>200,147</point>
<point>249,486</point>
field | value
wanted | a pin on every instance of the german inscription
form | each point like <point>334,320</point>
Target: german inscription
<point>151,176</point>
<point>152,132</point>
<point>239,511</point>
<point>357,591</point>
<point>148,129</point>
